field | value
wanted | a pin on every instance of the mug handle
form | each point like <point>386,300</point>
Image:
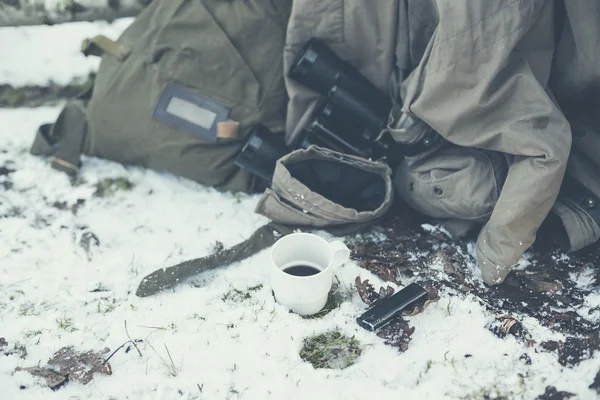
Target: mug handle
<point>341,252</point>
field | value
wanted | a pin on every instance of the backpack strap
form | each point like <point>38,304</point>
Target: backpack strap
<point>262,238</point>
<point>166,278</point>
<point>63,140</point>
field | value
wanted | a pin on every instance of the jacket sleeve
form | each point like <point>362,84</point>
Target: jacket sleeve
<point>482,83</point>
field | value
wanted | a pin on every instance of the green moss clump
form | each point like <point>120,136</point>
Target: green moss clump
<point>239,296</point>
<point>109,186</point>
<point>331,350</point>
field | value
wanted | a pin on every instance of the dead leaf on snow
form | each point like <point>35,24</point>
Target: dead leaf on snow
<point>54,380</point>
<point>397,334</point>
<point>80,366</point>
<point>67,364</point>
<point>367,292</point>
<point>505,325</point>
<point>432,297</point>
<point>384,293</point>
<point>87,242</point>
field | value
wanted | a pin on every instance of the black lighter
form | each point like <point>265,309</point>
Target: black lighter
<point>383,312</point>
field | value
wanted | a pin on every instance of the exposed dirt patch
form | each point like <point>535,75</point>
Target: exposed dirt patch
<point>552,289</point>
<point>552,394</point>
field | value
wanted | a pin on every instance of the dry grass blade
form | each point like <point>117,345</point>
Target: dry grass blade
<point>132,341</point>
<point>171,368</point>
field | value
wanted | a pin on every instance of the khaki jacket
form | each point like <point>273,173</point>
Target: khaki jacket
<point>492,78</point>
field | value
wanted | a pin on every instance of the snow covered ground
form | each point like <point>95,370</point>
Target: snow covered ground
<point>54,293</point>
<point>37,55</point>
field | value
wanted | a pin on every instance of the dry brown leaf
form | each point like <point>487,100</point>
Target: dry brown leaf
<point>367,292</point>
<point>54,380</point>
<point>419,307</point>
<point>397,334</point>
<point>384,293</point>
<point>80,366</point>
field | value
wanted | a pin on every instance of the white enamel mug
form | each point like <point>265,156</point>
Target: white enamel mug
<point>305,295</point>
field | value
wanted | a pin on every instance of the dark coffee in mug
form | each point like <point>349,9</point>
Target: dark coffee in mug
<point>301,270</point>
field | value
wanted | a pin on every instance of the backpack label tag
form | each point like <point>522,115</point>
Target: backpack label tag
<point>183,109</point>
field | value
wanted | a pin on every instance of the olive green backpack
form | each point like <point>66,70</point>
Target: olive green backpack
<point>179,91</point>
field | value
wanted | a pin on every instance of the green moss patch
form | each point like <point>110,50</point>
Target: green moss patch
<point>109,186</point>
<point>238,296</point>
<point>331,350</point>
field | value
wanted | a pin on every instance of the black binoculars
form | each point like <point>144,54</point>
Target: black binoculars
<point>350,118</point>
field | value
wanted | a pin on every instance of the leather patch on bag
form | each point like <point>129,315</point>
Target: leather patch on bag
<point>228,129</point>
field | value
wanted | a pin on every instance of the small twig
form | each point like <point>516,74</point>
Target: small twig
<point>132,342</point>
<point>18,282</point>
<point>115,352</point>
<point>150,334</point>
<point>123,345</point>
<point>159,356</point>
<point>171,369</point>
<point>160,328</point>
